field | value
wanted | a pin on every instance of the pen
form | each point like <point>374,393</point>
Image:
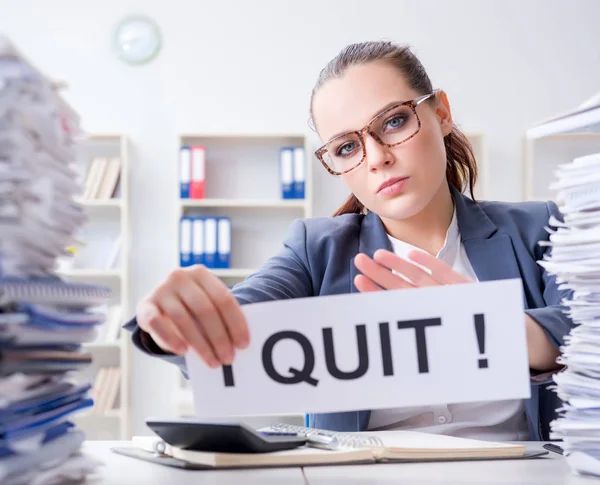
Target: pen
<point>314,440</point>
<point>554,448</point>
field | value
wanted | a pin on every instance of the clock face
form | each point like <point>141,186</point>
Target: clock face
<point>137,40</point>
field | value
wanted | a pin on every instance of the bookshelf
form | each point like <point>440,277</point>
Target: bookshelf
<point>543,155</point>
<point>101,257</point>
<point>242,182</point>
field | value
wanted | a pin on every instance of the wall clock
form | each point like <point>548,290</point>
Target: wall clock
<point>137,40</point>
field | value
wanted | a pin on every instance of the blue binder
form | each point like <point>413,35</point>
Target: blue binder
<point>286,172</point>
<point>185,171</point>
<point>210,242</point>
<point>44,417</point>
<point>299,173</point>
<point>185,242</point>
<point>198,240</point>
<point>42,404</point>
<point>9,445</point>
<point>224,242</point>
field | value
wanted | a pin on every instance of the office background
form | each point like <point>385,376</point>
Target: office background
<point>248,67</point>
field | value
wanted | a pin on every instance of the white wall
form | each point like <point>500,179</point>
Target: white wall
<point>249,66</point>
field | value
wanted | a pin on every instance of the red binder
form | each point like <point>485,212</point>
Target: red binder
<point>198,172</point>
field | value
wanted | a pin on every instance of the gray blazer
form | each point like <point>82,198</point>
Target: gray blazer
<point>501,241</point>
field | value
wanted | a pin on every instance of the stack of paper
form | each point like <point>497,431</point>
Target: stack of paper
<point>43,320</point>
<point>575,260</point>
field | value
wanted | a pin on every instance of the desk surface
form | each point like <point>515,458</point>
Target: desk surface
<point>551,470</point>
<point>122,470</point>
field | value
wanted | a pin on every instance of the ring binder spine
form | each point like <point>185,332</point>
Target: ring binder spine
<point>52,292</point>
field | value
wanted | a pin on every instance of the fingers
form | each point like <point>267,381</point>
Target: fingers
<point>418,276</point>
<point>378,274</point>
<point>188,328</point>
<point>161,328</point>
<point>364,284</point>
<point>422,270</point>
<point>203,322</point>
<point>229,309</point>
<point>441,270</point>
<point>193,308</point>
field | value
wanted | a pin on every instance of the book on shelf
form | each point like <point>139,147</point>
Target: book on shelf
<point>102,178</point>
<point>105,389</point>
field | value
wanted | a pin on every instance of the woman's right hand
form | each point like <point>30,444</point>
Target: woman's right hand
<point>193,308</point>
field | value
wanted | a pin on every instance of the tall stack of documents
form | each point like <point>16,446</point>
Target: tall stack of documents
<point>43,320</point>
<point>576,262</point>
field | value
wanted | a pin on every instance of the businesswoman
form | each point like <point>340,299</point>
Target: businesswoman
<point>390,137</point>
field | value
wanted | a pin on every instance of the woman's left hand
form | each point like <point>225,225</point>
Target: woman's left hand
<point>377,271</point>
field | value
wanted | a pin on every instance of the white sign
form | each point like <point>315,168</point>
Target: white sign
<point>410,347</point>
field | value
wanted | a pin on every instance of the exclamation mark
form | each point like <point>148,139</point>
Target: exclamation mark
<point>480,331</point>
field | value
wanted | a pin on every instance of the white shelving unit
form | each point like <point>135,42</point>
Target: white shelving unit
<point>542,156</point>
<point>585,119</point>
<point>107,219</point>
<point>579,128</point>
<point>242,183</point>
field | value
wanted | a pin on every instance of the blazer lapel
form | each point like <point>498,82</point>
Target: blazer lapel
<point>491,253</point>
<point>371,238</point>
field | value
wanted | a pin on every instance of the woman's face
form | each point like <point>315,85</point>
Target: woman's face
<point>350,102</point>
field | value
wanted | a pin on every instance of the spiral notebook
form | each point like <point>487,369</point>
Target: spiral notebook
<point>51,291</point>
<point>351,448</point>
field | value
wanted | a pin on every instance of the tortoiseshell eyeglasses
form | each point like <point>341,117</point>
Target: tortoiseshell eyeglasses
<point>392,127</point>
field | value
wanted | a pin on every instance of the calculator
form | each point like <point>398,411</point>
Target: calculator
<point>224,437</point>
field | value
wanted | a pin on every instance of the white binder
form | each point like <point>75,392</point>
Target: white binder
<point>185,242</point>
<point>198,240</point>
<point>224,242</point>
<point>210,242</point>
